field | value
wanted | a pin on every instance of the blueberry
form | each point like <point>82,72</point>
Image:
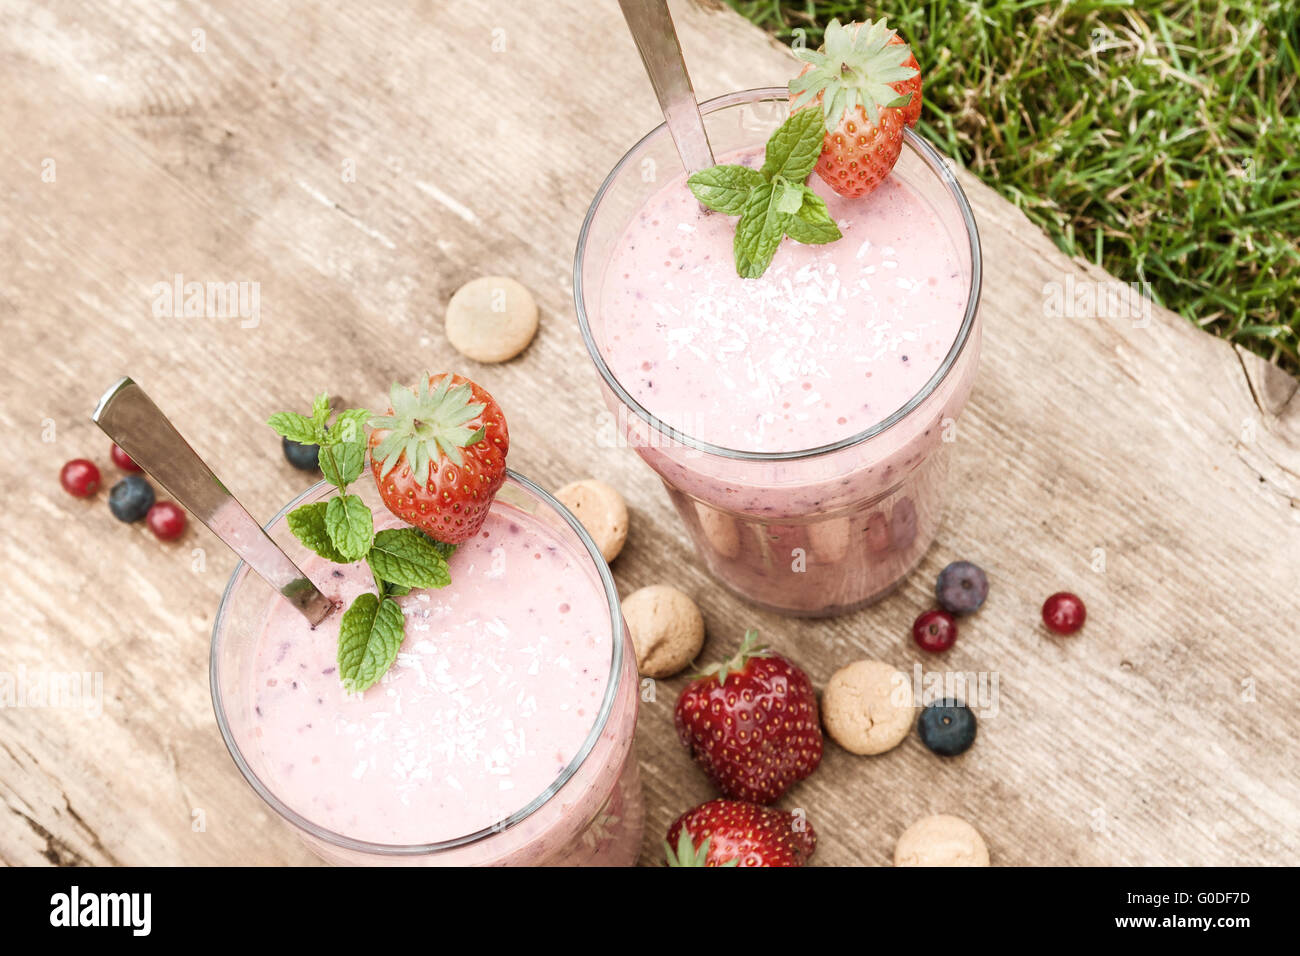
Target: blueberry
<point>302,457</point>
<point>130,499</point>
<point>961,588</point>
<point>947,727</point>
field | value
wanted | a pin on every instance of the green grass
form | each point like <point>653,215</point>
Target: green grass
<point>1160,139</point>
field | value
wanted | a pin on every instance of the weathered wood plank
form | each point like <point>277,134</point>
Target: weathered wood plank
<point>1175,455</point>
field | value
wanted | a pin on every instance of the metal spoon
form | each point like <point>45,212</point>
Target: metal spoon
<point>129,417</point>
<point>656,40</point>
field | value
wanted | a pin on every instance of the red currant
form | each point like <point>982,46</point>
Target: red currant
<point>123,460</point>
<point>166,520</point>
<point>935,631</point>
<point>80,478</point>
<point>1064,613</point>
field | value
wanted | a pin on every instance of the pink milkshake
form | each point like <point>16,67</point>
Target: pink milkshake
<point>502,734</point>
<point>799,419</point>
<point>826,344</point>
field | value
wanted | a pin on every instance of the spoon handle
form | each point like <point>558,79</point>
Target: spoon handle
<point>129,417</point>
<point>656,39</point>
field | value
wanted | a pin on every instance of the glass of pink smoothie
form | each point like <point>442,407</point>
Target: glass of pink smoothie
<point>800,421</point>
<point>502,734</point>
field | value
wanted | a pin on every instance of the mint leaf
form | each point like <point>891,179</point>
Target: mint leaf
<point>308,526</point>
<point>350,426</point>
<point>789,197</point>
<point>443,548</point>
<point>404,557</point>
<point>370,633</point>
<point>296,427</point>
<point>793,149</point>
<point>812,223</point>
<point>775,201</point>
<point>320,409</point>
<point>724,189</point>
<point>341,463</point>
<point>349,524</point>
<point>758,233</point>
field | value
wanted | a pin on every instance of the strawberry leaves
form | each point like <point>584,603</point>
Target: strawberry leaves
<point>342,529</point>
<point>427,423</point>
<point>774,201</point>
<point>852,70</point>
<point>688,854</point>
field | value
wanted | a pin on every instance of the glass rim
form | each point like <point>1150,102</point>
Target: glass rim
<point>343,841</point>
<point>933,160</point>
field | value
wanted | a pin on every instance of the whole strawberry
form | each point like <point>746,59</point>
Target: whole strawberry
<point>733,833</point>
<point>867,84</point>
<point>439,455</point>
<point>751,722</point>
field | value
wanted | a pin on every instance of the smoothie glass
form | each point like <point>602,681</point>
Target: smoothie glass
<point>592,813</point>
<point>818,531</point>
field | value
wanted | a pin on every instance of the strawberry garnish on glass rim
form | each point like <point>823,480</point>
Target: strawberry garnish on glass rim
<point>867,84</point>
<point>849,107</point>
<point>439,456</point>
<point>341,529</point>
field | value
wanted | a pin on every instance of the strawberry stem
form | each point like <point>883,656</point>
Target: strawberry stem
<point>749,647</point>
<point>427,424</point>
<point>852,70</point>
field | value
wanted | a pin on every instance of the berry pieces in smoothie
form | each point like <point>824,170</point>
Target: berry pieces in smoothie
<point>1064,613</point>
<point>934,631</point>
<point>79,478</point>
<point>947,727</point>
<point>734,833</point>
<point>130,499</point>
<point>961,588</point>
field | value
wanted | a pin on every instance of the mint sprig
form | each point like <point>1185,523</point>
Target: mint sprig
<point>775,201</point>
<point>342,529</point>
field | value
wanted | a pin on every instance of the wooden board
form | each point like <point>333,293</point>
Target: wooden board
<point>1148,466</point>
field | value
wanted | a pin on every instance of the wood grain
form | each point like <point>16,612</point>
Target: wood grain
<point>1148,466</point>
